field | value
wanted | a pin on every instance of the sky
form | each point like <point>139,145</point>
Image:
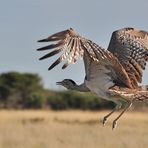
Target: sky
<point>23,22</point>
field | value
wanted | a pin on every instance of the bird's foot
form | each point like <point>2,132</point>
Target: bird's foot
<point>104,121</point>
<point>114,125</point>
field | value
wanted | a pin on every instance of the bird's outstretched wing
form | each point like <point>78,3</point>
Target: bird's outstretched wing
<point>130,46</point>
<point>72,46</point>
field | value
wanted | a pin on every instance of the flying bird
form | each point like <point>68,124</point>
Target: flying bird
<point>112,74</point>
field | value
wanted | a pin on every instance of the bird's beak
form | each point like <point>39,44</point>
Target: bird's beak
<point>58,83</point>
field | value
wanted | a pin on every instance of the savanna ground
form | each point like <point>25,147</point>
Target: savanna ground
<point>71,129</point>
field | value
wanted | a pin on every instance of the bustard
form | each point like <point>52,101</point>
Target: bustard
<point>112,74</point>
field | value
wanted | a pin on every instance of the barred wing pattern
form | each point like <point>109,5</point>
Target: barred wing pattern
<point>74,46</point>
<point>71,46</point>
<point>130,46</point>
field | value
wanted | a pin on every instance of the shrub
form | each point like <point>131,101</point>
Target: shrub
<point>34,101</point>
<point>75,100</point>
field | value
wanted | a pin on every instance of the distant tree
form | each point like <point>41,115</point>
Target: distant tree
<point>15,87</point>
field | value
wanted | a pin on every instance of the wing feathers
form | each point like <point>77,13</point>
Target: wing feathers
<point>126,56</point>
<point>50,54</point>
<point>56,37</point>
<point>55,64</point>
<point>130,46</point>
<point>68,43</point>
<point>51,46</point>
<point>65,65</point>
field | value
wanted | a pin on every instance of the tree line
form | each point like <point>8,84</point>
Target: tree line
<point>26,90</point>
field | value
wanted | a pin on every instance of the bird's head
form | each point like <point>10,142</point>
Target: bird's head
<point>68,83</point>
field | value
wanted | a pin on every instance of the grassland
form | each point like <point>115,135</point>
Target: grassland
<point>71,129</point>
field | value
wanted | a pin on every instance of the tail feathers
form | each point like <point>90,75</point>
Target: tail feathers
<point>143,88</point>
<point>142,94</point>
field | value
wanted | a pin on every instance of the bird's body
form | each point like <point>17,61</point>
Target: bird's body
<point>112,74</point>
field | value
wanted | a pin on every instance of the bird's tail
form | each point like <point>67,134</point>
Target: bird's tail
<point>142,94</point>
<point>144,88</point>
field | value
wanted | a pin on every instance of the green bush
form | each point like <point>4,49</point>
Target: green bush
<point>34,101</point>
<point>74,100</point>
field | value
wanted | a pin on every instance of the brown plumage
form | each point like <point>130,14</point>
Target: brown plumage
<point>130,46</point>
<point>112,74</point>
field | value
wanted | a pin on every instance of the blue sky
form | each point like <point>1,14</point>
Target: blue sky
<point>23,22</point>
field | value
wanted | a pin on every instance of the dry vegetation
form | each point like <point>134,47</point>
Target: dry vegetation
<point>71,129</point>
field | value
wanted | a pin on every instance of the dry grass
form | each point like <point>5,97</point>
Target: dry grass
<point>71,129</point>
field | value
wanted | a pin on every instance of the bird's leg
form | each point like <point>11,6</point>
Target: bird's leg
<point>105,117</point>
<point>128,105</point>
<point>118,106</point>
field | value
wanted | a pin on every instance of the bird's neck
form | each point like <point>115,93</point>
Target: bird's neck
<point>81,88</point>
